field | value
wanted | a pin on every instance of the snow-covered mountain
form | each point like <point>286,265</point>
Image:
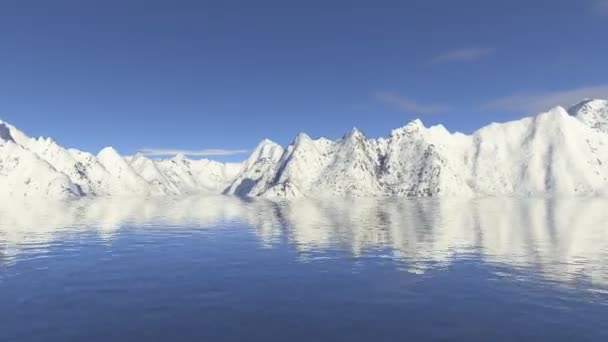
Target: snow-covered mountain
<point>40,168</point>
<point>559,152</point>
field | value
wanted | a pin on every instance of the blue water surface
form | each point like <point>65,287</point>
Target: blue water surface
<point>223,269</point>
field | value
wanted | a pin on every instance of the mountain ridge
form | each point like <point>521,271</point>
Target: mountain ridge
<point>560,152</point>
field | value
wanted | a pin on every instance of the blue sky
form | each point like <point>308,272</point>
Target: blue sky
<point>198,75</point>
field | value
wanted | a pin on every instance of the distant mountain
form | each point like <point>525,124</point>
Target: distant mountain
<point>557,153</point>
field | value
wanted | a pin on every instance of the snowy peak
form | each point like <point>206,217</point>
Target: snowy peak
<point>552,153</point>
<point>20,137</point>
<point>108,153</point>
<point>556,153</point>
<point>353,134</point>
<point>301,138</point>
<point>411,128</point>
<point>266,149</point>
<point>5,132</point>
<point>592,112</point>
<point>261,163</point>
<point>180,158</point>
<point>589,105</point>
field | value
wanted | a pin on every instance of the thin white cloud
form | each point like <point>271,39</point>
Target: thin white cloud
<point>407,104</point>
<point>469,54</point>
<point>540,101</point>
<point>156,152</point>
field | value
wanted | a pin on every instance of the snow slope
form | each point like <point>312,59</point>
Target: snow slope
<point>554,153</point>
<point>557,153</point>
<point>259,164</point>
<point>41,168</point>
<point>24,174</point>
<point>593,113</point>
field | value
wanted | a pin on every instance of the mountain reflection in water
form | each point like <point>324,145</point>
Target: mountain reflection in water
<point>562,240</point>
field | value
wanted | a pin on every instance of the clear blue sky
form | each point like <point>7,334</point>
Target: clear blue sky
<point>224,74</point>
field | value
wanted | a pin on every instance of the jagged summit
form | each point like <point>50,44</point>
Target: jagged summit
<point>589,104</point>
<point>411,127</point>
<point>418,161</point>
<point>265,142</point>
<point>556,153</point>
<point>5,132</point>
<point>593,112</point>
<point>139,155</point>
<point>354,132</point>
<point>266,149</point>
<point>263,158</point>
<point>179,157</point>
<point>301,138</point>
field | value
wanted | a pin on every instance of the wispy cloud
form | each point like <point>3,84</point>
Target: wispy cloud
<point>469,54</point>
<point>157,152</point>
<point>407,104</point>
<point>600,7</point>
<point>539,101</point>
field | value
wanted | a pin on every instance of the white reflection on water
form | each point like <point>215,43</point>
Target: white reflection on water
<point>567,240</point>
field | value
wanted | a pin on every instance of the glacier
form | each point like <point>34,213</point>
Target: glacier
<point>561,152</point>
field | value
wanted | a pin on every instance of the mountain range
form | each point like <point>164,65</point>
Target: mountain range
<point>561,152</point>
